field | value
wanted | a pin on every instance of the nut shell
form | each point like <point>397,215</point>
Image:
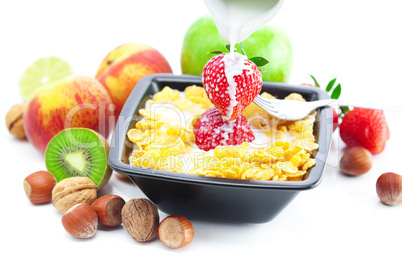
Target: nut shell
<point>72,191</point>
<point>80,221</point>
<point>14,121</point>
<point>389,188</point>
<point>108,208</point>
<point>38,187</point>
<point>356,161</point>
<point>140,217</point>
<point>176,231</point>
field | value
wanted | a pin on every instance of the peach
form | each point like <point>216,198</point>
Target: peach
<point>124,66</point>
<point>76,101</point>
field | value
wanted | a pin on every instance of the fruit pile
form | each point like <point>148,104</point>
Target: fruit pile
<point>68,118</point>
<point>56,99</point>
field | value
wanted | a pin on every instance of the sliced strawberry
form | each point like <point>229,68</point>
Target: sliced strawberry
<point>365,127</point>
<point>212,130</point>
<point>231,82</point>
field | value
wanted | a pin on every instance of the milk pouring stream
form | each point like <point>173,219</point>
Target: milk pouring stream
<point>237,19</point>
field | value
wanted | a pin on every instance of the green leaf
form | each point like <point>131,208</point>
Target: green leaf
<point>344,110</point>
<point>336,92</point>
<point>217,52</point>
<point>228,47</point>
<point>315,81</point>
<point>259,61</point>
<point>330,85</point>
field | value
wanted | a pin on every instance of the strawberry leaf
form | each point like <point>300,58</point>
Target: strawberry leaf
<point>336,92</point>
<point>259,61</point>
<point>216,52</point>
<point>315,81</point>
<point>330,85</point>
<point>344,110</point>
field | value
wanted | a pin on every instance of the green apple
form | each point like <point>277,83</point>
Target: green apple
<point>268,41</point>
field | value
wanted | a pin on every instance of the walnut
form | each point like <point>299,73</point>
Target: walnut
<point>72,191</point>
<point>14,121</point>
<point>140,217</point>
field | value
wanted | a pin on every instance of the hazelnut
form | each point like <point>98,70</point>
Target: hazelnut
<point>140,217</point>
<point>38,187</point>
<point>80,221</point>
<point>72,191</point>
<point>108,208</point>
<point>389,188</point>
<point>356,161</point>
<point>176,231</point>
<point>14,121</point>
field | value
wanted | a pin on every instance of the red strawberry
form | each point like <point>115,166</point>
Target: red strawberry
<point>309,85</point>
<point>231,82</point>
<point>212,130</point>
<point>365,127</point>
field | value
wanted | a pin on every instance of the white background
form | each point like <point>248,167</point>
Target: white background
<point>341,222</point>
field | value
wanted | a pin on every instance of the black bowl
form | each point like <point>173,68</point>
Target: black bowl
<point>211,198</point>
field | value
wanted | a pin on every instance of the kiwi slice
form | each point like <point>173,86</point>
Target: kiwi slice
<point>79,152</point>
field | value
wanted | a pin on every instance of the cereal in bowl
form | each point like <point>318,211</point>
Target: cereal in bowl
<point>164,139</point>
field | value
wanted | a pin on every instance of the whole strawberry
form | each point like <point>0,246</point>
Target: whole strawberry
<point>365,127</point>
<point>212,130</point>
<point>231,82</point>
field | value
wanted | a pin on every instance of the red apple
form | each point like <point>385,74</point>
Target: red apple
<point>124,66</point>
<point>76,101</point>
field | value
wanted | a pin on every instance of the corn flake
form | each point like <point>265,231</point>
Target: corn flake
<point>194,91</point>
<point>166,95</point>
<point>295,96</point>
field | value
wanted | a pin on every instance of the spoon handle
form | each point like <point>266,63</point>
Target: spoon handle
<point>375,106</point>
